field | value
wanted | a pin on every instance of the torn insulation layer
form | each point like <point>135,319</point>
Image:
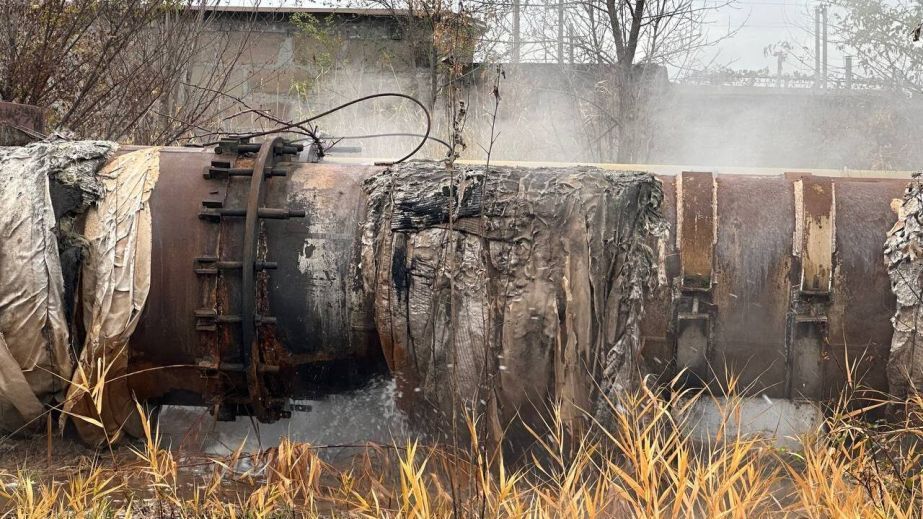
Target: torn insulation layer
<point>35,360</point>
<point>904,258</point>
<point>505,291</point>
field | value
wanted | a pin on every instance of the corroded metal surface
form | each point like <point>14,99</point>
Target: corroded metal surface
<point>799,289</point>
<point>861,298</point>
<point>187,346</point>
<point>776,279</point>
<point>167,334</point>
<point>696,229</point>
<point>317,279</point>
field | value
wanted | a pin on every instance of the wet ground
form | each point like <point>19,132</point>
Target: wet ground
<point>334,423</point>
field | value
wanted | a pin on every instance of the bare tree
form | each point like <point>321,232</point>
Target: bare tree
<point>117,69</point>
<point>445,34</point>
<point>628,48</point>
<point>884,36</point>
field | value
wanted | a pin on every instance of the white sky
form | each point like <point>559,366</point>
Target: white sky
<point>764,22</point>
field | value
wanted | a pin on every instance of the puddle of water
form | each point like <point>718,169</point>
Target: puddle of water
<point>356,417</point>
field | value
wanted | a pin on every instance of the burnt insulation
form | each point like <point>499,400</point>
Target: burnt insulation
<point>504,292</point>
<point>904,258</point>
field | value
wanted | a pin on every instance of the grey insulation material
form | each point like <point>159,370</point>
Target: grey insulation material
<point>34,352</point>
<point>904,258</point>
<point>505,292</point>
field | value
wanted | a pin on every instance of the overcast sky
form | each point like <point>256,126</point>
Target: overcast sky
<point>764,22</point>
<point>758,23</point>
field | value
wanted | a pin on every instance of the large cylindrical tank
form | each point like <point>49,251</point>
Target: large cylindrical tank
<point>778,279</point>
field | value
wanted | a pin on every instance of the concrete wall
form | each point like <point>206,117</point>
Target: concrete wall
<point>293,72</point>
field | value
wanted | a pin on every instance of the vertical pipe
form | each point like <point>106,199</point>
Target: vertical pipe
<point>816,47</point>
<point>560,31</point>
<point>779,56</point>
<point>570,39</point>
<point>848,72</point>
<point>516,42</point>
<point>823,12</point>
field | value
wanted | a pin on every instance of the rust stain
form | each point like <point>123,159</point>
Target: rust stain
<point>696,228</point>
<point>817,240</point>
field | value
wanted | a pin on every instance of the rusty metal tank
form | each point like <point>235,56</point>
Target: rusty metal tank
<point>776,278</point>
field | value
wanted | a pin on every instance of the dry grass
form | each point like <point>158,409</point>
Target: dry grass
<point>642,464</point>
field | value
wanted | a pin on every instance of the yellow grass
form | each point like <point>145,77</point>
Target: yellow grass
<point>640,462</point>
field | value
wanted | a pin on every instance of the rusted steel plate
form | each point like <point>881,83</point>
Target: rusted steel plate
<point>751,292</point>
<point>815,211</point>
<point>694,332</point>
<point>166,334</point>
<point>696,231</point>
<point>808,353</point>
<point>778,339</point>
<point>859,317</point>
<point>813,246</point>
<point>316,291</point>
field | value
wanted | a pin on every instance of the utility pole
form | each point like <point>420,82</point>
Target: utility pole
<point>848,72</point>
<point>560,32</point>
<point>516,42</point>
<point>780,55</point>
<point>823,12</point>
<point>816,47</point>
<point>570,40</point>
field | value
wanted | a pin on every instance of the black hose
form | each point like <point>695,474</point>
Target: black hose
<point>375,135</point>
<point>354,101</point>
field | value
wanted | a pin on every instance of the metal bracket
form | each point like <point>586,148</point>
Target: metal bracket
<point>696,230</point>
<point>813,248</point>
<point>260,398</point>
<point>815,233</point>
<point>693,343</point>
<point>696,235</point>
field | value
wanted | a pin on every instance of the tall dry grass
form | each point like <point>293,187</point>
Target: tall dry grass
<point>644,462</point>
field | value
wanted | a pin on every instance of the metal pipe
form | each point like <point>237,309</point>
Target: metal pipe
<point>777,279</point>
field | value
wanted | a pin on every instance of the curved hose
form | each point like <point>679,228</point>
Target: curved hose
<point>376,135</point>
<point>354,101</point>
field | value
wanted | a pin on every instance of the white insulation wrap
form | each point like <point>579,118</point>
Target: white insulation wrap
<point>35,361</point>
<point>114,233</point>
<point>115,281</point>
